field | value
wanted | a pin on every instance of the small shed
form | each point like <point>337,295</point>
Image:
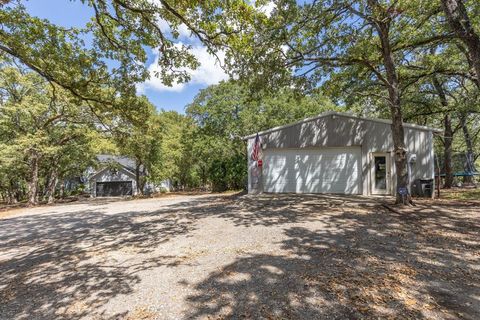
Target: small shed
<point>336,153</point>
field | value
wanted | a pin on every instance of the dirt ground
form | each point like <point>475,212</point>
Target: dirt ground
<point>241,257</point>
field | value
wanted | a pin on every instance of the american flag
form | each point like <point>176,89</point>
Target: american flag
<point>256,149</point>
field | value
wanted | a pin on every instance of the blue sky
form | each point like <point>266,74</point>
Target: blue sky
<point>75,14</point>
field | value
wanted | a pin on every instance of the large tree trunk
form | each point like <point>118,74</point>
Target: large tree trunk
<point>11,196</point>
<point>448,140</point>
<point>33,179</point>
<point>12,192</point>
<point>62,189</point>
<point>52,185</point>
<point>459,21</point>
<point>468,142</point>
<point>396,114</point>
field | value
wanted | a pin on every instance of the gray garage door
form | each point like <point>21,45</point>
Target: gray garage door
<point>322,170</point>
<point>114,189</point>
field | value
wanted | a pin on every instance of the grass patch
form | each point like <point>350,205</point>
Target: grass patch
<point>461,194</point>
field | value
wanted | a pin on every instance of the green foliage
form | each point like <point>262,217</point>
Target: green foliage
<point>43,134</point>
<point>231,110</point>
<point>141,141</point>
<point>176,149</point>
<point>120,32</point>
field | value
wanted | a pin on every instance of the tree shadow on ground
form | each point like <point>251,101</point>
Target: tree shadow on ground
<point>56,266</point>
<point>270,209</point>
<point>362,262</point>
<point>422,264</point>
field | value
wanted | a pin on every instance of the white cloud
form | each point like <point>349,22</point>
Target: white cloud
<point>164,25</point>
<point>183,31</point>
<point>267,8</point>
<point>209,72</point>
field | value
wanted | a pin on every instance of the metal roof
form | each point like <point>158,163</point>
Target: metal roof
<point>341,114</point>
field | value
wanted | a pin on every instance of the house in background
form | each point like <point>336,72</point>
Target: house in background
<point>337,153</point>
<point>116,176</point>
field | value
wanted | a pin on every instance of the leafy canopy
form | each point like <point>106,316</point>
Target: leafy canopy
<point>103,60</point>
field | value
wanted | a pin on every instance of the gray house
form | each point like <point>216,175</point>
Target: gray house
<point>116,177</point>
<point>336,153</point>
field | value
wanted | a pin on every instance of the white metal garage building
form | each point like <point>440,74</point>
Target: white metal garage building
<point>335,153</point>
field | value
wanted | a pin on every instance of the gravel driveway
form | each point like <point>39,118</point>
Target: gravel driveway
<point>233,256</point>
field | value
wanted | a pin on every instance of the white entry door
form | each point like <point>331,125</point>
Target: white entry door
<point>315,170</point>
<point>381,173</point>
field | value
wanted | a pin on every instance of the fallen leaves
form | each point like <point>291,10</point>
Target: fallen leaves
<point>142,313</point>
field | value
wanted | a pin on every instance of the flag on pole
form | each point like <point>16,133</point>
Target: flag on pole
<point>256,149</point>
